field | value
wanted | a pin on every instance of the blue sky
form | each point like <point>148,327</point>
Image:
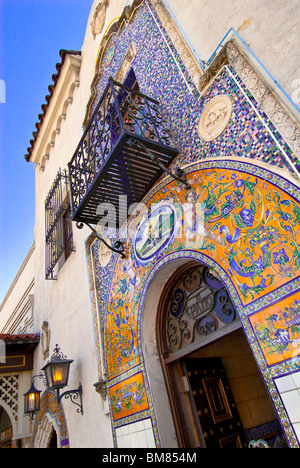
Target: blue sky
<point>32,32</point>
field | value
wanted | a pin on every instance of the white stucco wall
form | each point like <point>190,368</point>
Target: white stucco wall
<point>269,27</point>
<point>17,307</point>
<point>65,303</point>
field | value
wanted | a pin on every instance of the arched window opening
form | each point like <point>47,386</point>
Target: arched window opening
<point>6,431</point>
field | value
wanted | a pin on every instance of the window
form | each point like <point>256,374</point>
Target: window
<point>134,108</point>
<point>58,226</point>
<point>67,230</point>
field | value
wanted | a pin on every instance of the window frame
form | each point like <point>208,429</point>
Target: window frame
<point>59,242</point>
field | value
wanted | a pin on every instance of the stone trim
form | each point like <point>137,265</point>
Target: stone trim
<point>189,60</point>
<point>21,269</point>
<point>270,104</point>
<point>56,113</point>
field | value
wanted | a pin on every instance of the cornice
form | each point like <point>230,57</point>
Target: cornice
<point>55,111</point>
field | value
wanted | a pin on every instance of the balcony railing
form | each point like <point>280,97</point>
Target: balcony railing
<point>106,165</point>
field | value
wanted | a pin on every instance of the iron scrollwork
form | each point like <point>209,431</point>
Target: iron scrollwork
<point>118,246</point>
<point>206,325</point>
<point>73,395</point>
<point>199,306</point>
<point>120,111</point>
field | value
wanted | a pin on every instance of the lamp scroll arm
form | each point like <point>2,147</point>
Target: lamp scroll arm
<point>73,395</point>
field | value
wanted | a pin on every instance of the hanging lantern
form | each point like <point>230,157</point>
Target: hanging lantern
<point>32,400</point>
<point>57,370</point>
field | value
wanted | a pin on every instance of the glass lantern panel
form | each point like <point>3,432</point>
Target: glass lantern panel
<point>48,376</point>
<point>32,401</point>
<point>60,372</point>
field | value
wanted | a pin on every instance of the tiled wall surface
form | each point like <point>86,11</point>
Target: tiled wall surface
<point>136,435</point>
<point>289,389</point>
<point>250,135</point>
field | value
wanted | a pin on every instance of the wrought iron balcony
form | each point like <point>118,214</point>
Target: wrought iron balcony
<point>123,151</point>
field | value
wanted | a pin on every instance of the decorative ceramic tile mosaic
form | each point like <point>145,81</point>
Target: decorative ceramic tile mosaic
<point>248,240</point>
<point>129,398</point>
<point>249,134</point>
<point>49,405</point>
<point>246,232</point>
<point>277,329</point>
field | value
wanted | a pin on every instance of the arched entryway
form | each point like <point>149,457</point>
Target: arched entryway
<point>216,395</point>
<point>46,436</point>
<point>6,429</point>
<point>50,428</point>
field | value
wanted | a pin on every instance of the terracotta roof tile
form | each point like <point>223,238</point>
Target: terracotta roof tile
<point>30,338</point>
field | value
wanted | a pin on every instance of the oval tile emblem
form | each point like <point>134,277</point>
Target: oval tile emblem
<point>215,117</point>
<point>154,233</point>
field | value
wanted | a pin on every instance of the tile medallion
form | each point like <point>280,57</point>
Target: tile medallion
<point>215,117</point>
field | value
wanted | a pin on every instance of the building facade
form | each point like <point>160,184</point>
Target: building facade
<point>166,252</point>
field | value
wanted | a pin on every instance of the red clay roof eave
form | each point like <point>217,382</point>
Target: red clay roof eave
<point>22,339</point>
<point>48,98</point>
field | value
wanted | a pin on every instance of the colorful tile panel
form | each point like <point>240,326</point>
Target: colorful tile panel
<point>129,397</point>
<point>49,405</point>
<point>251,237</point>
<point>248,226</point>
<point>277,329</point>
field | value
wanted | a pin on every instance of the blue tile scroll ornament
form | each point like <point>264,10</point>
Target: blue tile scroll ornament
<point>154,233</point>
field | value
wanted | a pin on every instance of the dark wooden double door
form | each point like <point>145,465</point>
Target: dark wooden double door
<point>212,405</point>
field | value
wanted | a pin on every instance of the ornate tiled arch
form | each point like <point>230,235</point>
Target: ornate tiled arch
<point>54,412</point>
<point>126,367</point>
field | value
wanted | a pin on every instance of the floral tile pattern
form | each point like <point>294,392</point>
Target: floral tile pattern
<point>277,329</point>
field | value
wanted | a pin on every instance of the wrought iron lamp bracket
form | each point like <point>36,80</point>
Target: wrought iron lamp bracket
<point>118,246</point>
<point>73,395</point>
<point>41,375</point>
<point>179,174</point>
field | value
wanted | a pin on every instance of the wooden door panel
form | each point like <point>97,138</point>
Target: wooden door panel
<point>233,441</point>
<point>217,399</point>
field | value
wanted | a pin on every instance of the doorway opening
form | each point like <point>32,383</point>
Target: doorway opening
<point>47,434</point>
<point>52,442</point>
<point>217,395</point>
<point>6,430</point>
